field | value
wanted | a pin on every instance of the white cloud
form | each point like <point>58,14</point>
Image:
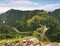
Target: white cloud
<point>26,5</point>
<point>50,7</point>
<point>17,3</point>
<point>24,9</point>
<point>4,9</point>
<point>24,2</point>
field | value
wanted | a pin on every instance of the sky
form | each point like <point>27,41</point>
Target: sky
<point>48,5</point>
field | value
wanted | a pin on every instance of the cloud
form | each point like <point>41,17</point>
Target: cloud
<point>50,7</point>
<point>17,3</point>
<point>4,9</point>
<point>26,5</point>
<point>24,8</point>
<point>24,2</point>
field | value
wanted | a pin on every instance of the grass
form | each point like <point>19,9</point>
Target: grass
<point>10,40</point>
<point>2,41</point>
<point>14,40</point>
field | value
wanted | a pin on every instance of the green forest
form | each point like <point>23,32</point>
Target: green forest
<point>17,23</point>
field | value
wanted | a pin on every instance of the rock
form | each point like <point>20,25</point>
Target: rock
<point>30,42</point>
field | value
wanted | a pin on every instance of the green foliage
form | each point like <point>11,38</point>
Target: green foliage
<point>56,14</point>
<point>7,32</point>
<point>34,22</point>
<point>30,21</point>
<point>35,34</point>
<point>37,20</point>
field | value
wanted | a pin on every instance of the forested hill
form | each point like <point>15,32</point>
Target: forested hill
<point>28,21</point>
<point>18,18</point>
<point>56,14</point>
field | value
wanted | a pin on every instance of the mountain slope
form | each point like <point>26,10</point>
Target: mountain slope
<point>21,20</point>
<point>56,14</point>
<point>18,18</point>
